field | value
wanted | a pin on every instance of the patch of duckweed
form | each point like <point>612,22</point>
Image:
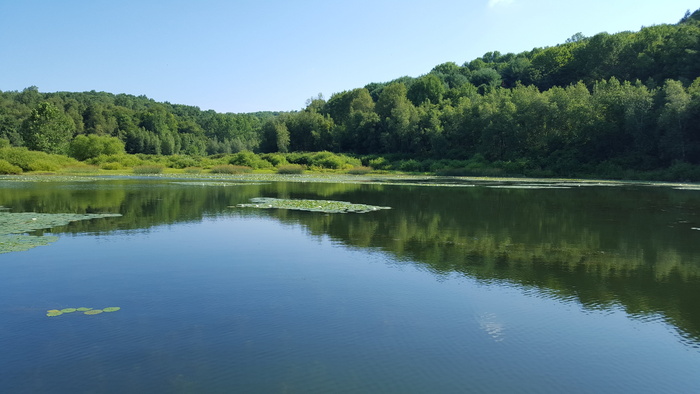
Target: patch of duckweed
<point>14,225</point>
<point>327,206</point>
<point>111,309</point>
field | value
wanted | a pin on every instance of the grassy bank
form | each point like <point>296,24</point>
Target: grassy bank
<point>15,160</point>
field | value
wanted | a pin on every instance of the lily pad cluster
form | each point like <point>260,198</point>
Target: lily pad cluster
<point>13,227</point>
<point>327,206</point>
<point>83,310</point>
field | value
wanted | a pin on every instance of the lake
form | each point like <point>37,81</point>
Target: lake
<point>461,286</point>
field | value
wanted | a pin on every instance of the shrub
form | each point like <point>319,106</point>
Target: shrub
<point>327,159</point>
<point>411,165</point>
<point>86,147</point>
<point>379,163</point>
<point>81,169</point>
<point>43,165</point>
<point>111,166</point>
<point>148,169</point>
<point>291,169</point>
<point>299,158</point>
<point>360,170</point>
<point>276,159</point>
<point>179,161</point>
<point>230,169</point>
<point>33,160</point>
<point>123,160</point>
<point>8,168</point>
<point>193,170</point>
<point>249,159</point>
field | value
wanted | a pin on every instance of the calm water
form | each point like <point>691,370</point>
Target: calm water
<point>585,289</point>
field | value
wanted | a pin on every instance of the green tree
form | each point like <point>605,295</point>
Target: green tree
<point>86,147</point>
<point>428,87</point>
<point>48,129</point>
<point>673,120</point>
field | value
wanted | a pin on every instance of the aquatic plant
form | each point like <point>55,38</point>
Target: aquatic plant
<point>20,243</point>
<point>14,224</point>
<point>327,206</point>
<point>85,310</point>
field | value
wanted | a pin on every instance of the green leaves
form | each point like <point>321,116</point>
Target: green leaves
<point>86,311</point>
<point>47,129</point>
<point>12,225</point>
<point>326,206</point>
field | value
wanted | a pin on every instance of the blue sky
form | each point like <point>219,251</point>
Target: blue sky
<point>246,56</point>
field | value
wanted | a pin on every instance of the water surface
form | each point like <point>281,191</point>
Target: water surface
<point>583,289</point>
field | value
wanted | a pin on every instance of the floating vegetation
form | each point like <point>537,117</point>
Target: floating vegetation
<point>86,311</point>
<point>529,187</point>
<point>20,243</point>
<point>14,224</point>
<point>47,178</point>
<point>327,206</point>
<point>205,183</point>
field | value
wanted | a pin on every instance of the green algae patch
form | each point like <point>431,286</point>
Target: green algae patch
<point>326,206</point>
<point>13,227</point>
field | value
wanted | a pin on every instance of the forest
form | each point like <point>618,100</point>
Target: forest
<point>623,105</point>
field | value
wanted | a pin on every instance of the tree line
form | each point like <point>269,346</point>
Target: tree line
<point>629,100</point>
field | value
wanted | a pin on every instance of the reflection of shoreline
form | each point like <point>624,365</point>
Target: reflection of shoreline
<point>601,246</point>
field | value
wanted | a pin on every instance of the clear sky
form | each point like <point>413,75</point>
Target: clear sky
<point>258,55</point>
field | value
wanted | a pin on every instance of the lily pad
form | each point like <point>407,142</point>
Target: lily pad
<point>93,312</point>
<point>53,312</point>
<point>68,310</point>
<point>83,309</point>
<point>13,227</point>
<point>111,309</point>
<point>20,243</point>
<point>327,206</point>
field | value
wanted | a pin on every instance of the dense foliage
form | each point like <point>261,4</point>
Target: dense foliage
<point>601,105</point>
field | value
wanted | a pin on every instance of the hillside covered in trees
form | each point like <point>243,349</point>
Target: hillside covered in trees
<point>592,105</point>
